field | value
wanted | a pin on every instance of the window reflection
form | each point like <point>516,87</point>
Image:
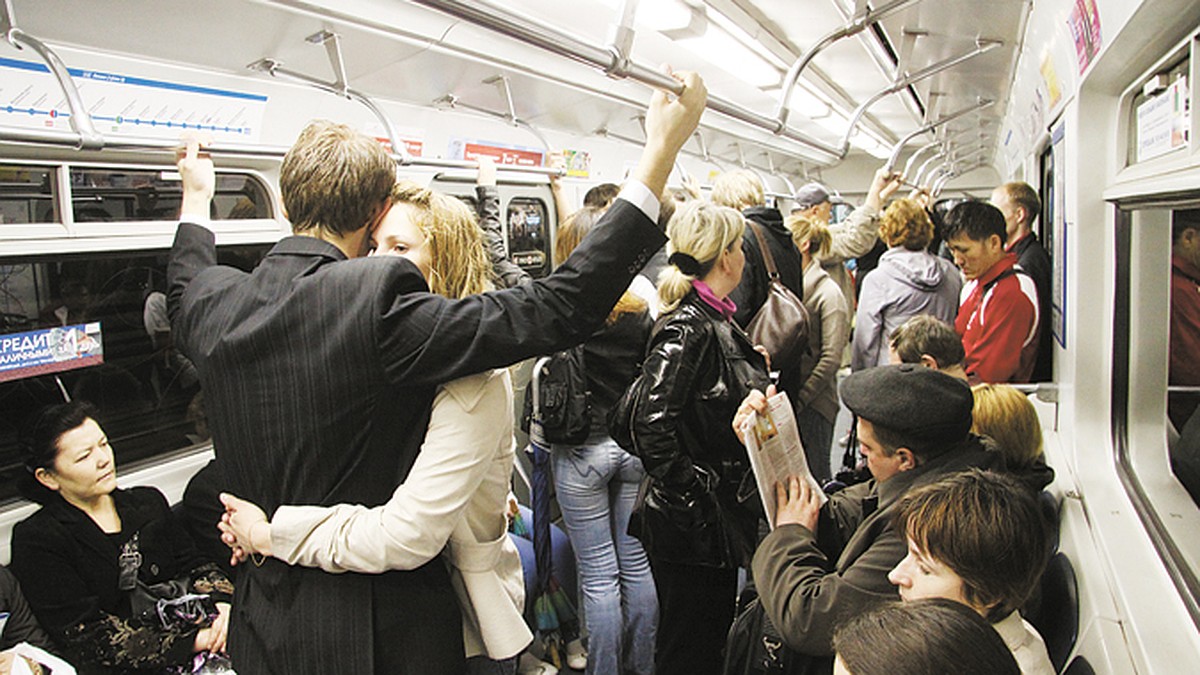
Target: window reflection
<point>1184,364</point>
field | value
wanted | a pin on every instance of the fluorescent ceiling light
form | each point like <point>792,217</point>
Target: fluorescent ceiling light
<point>722,50</point>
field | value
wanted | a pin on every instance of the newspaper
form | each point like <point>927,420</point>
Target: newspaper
<point>776,453</point>
<point>35,661</point>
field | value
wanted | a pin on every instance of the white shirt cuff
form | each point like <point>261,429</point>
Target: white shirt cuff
<point>635,192</point>
<point>197,219</point>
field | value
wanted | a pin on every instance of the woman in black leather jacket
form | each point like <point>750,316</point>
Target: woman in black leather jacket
<point>698,512</point>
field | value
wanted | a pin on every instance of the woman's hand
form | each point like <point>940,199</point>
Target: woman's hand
<point>797,504</point>
<point>244,528</point>
<point>755,402</point>
<point>219,629</point>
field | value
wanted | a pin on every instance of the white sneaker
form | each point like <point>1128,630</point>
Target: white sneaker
<point>576,655</point>
<point>529,664</point>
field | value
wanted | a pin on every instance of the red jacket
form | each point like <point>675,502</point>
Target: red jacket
<point>1185,322</point>
<point>998,323</point>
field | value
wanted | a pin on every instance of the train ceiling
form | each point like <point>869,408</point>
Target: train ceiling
<point>404,51</point>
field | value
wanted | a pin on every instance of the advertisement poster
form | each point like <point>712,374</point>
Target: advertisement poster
<point>512,155</point>
<point>50,350</point>
<point>1162,121</point>
<point>577,163</point>
<point>1059,226</point>
<point>1085,29</point>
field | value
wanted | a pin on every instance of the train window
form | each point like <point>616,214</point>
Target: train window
<point>529,235</point>
<point>1183,373</point>
<point>112,195</point>
<point>147,393</point>
<point>26,194</point>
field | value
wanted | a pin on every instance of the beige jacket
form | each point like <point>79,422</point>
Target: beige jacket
<point>1025,644</point>
<point>454,498</point>
<point>853,237</point>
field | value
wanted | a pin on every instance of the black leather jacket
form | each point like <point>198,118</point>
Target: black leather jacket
<point>699,504</point>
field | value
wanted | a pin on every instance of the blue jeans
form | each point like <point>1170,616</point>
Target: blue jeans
<point>597,485</point>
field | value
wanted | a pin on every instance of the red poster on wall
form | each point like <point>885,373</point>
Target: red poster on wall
<point>503,155</point>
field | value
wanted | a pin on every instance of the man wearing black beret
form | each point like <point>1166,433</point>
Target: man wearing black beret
<point>824,564</point>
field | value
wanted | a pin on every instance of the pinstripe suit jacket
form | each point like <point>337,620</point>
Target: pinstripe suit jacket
<point>318,381</point>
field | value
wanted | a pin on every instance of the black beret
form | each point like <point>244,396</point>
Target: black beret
<point>920,403</point>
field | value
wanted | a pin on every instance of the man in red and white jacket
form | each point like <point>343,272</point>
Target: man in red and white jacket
<point>998,315</point>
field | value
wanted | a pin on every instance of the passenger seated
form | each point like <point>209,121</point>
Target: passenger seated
<point>824,564</point>
<point>108,571</point>
<point>921,638</point>
<point>20,624</point>
<point>977,538</point>
<point>1007,417</point>
<point>456,495</point>
<point>930,342</point>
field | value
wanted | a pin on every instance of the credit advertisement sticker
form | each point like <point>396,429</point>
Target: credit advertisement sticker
<point>50,350</point>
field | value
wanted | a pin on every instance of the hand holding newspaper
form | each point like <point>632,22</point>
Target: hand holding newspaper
<point>776,453</point>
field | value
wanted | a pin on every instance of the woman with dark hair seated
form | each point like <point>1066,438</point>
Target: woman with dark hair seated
<point>110,573</point>
<point>915,638</point>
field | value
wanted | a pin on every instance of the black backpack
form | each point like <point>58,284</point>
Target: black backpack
<point>564,402</point>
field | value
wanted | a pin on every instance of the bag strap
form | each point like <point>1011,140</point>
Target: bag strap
<point>772,271</point>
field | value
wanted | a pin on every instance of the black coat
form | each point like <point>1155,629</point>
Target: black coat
<point>318,377</point>
<point>700,505</point>
<point>70,572</point>
<point>1033,258</point>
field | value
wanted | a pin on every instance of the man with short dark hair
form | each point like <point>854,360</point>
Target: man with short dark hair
<point>319,371</point>
<point>824,564</point>
<point>929,341</point>
<point>998,317</point>
<point>1020,205</point>
<point>600,196</point>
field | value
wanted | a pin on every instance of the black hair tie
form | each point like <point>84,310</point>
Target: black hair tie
<point>686,263</point>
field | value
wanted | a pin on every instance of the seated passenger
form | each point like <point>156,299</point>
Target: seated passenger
<point>696,522</point>
<point>95,558</point>
<point>921,638</point>
<point>1007,417</point>
<point>977,538</point>
<point>456,494</point>
<point>930,342</point>
<point>914,428</point>
<point>817,403</point>
<point>998,317</point>
<point>908,281</point>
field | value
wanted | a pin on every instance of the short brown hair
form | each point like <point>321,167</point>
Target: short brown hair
<point>985,527</point>
<point>1024,196</point>
<point>1007,416</point>
<point>905,223</point>
<point>335,179</point>
<point>459,265</point>
<point>927,334</point>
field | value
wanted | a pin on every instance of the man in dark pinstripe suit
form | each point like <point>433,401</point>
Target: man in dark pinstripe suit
<point>319,377</point>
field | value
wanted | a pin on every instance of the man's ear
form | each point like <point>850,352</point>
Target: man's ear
<point>929,362</point>
<point>907,460</point>
<point>46,478</point>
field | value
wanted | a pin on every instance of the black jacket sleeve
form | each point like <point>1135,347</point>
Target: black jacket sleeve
<point>21,625</point>
<point>508,273</point>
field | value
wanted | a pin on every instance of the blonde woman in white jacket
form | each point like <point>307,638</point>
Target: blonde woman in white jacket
<point>455,497</point>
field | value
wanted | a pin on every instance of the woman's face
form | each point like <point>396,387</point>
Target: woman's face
<point>919,576</point>
<point>84,468</point>
<point>398,234</point>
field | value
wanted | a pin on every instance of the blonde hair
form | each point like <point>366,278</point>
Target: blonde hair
<point>459,264</point>
<point>568,236</point>
<point>905,223</point>
<point>811,230</point>
<point>1007,416</point>
<point>703,231</point>
<point>738,189</point>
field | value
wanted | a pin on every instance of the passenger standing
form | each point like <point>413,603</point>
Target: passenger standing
<point>1020,205</point>
<point>914,428</point>
<point>319,378</point>
<point>699,514</point>
<point>817,402</point>
<point>998,317</point>
<point>853,237</point>
<point>909,281</point>
<point>597,483</point>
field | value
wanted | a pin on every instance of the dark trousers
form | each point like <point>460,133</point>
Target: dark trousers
<point>696,606</point>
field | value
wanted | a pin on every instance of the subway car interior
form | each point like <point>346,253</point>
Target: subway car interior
<point>1087,101</point>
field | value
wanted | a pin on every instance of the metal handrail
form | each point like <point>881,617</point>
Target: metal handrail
<point>895,156</point>
<point>913,157</point>
<point>855,26</point>
<point>530,31</point>
<point>981,47</point>
<point>918,177</point>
